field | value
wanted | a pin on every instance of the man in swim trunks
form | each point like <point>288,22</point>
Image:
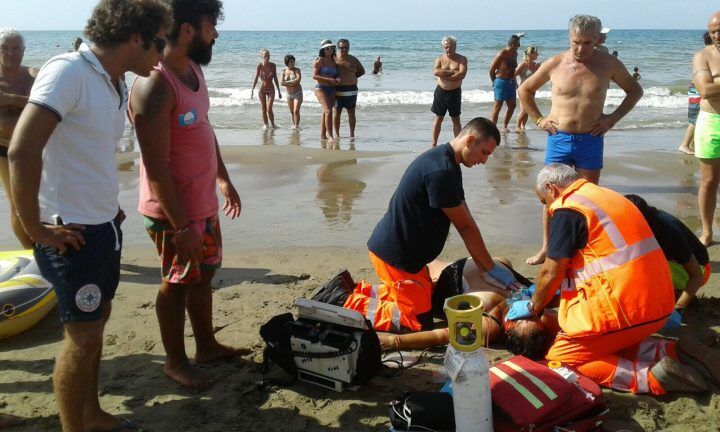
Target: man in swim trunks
<point>350,69</point>
<point>502,76</point>
<point>181,169</point>
<point>450,70</point>
<point>15,83</point>
<point>576,124</point>
<point>64,181</point>
<point>706,77</point>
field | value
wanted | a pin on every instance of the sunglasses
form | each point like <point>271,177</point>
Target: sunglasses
<point>343,48</point>
<point>160,43</point>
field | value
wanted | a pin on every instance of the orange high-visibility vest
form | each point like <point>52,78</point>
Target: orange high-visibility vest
<point>620,279</point>
<point>385,310</point>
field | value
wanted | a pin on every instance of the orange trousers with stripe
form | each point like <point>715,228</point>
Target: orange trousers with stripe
<point>410,293</point>
<point>599,357</point>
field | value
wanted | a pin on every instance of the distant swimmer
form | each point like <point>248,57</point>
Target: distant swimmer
<point>290,79</point>
<point>502,77</point>
<point>706,76</point>
<point>266,72</point>
<point>450,70</point>
<point>636,74</point>
<point>600,44</point>
<point>16,81</point>
<point>523,71</point>
<point>377,66</point>
<point>576,124</point>
<point>349,69</point>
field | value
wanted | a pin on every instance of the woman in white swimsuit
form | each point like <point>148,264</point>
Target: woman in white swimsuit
<point>290,78</point>
<point>524,70</point>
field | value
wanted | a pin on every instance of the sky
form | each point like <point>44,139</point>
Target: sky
<point>351,15</point>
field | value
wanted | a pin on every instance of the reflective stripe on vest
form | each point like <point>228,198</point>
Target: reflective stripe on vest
<point>607,223</point>
<point>616,259</point>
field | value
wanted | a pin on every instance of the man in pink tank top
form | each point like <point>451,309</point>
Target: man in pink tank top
<point>181,168</point>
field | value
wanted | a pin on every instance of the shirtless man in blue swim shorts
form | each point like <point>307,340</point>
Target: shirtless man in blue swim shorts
<point>576,124</point>
<point>502,76</point>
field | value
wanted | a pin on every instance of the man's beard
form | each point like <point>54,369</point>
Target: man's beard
<point>199,52</point>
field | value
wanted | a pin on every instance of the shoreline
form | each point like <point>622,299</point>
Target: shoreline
<point>307,212</point>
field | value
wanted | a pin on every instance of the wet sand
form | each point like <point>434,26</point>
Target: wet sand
<point>306,213</point>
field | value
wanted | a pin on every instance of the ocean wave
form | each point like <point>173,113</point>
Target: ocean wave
<point>654,97</point>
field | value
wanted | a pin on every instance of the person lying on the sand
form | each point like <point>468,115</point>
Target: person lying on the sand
<point>530,337</point>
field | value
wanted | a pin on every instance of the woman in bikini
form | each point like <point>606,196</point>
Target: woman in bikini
<point>524,70</point>
<point>290,78</point>
<point>326,75</point>
<point>267,73</point>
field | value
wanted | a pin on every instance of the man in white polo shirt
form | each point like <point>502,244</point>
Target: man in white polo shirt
<point>64,181</point>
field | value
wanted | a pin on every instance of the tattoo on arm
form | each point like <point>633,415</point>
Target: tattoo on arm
<point>154,101</point>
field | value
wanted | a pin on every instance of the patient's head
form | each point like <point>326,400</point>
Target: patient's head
<point>527,337</point>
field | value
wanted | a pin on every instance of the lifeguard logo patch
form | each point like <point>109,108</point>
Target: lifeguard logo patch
<point>188,118</point>
<point>88,298</point>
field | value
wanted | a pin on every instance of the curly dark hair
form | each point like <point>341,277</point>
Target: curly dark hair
<point>532,343</point>
<point>115,21</point>
<point>192,12</point>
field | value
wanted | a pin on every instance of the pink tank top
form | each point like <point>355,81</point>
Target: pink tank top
<point>192,158</point>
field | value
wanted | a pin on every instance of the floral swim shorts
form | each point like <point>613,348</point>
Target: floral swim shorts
<point>162,234</point>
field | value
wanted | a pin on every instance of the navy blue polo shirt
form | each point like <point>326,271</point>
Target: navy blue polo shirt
<point>413,231</point>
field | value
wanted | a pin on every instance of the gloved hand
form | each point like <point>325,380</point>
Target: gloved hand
<point>528,291</point>
<point>519,310</point>
<point>674,321</point>
<point>501,274</point>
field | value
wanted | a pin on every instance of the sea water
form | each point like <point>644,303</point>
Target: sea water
<point>394,108</point>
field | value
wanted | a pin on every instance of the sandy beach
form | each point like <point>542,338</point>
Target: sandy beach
<point>308,212</point>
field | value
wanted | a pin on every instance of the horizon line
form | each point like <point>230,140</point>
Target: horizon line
<point>404,31</point>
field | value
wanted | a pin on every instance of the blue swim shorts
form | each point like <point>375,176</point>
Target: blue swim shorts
<point>505,89</point>
<point>85,279</point>
<point>582,151</point>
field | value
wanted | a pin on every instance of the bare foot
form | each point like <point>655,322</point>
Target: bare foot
<point>219,352</point>
<point>187,375</point>
<point>536,259</point>
<point>706,239</point>
<point>686,150</point>
<point>504,129</point>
